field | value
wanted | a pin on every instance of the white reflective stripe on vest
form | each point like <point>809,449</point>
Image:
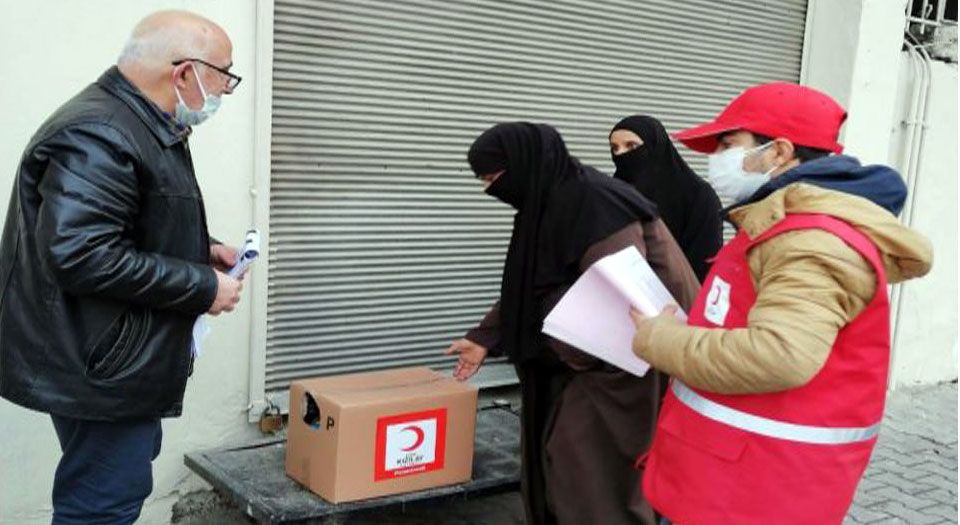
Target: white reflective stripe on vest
<point>771,427</point>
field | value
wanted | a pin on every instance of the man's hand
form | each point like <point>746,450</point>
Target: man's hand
<point>228,294</point>
<point>223,257</point>
<point>471,357</point>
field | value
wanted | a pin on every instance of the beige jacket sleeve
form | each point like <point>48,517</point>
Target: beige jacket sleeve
<point>809,285</point>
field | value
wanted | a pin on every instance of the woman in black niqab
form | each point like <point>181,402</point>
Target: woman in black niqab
<point>583,422</point>
<point>687,203</point>
<point>562,208</point>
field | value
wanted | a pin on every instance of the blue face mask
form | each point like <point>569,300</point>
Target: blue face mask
<point>193,117</point>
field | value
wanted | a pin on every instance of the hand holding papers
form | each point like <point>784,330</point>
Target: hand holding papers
<point>247,254</point>
<point>594,315</point>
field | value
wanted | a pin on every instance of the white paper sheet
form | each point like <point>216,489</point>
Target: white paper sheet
<point>594,314</point>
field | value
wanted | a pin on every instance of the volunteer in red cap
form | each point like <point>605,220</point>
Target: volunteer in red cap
<point>779,374</point>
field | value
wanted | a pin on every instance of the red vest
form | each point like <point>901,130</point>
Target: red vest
<point>784,458</point>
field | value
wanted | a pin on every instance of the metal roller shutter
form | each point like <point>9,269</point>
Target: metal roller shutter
<point>383,247</point>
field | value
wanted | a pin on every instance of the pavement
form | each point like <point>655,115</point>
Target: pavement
<point>912,478</point>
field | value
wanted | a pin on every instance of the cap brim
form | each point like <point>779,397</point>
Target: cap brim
<point>703,138</point>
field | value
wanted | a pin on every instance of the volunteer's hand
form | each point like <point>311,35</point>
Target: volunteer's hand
<point>223,257</point>
<point>228,294</point>
<point>638,318</point>
<point>641,321</point>
<point>471,357</point>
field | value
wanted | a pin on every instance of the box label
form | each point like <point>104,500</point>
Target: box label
<point>409,444</point>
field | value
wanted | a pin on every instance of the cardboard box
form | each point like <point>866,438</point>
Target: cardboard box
<point>367,435</point>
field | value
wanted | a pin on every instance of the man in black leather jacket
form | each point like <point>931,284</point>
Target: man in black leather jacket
<point>106,263</point>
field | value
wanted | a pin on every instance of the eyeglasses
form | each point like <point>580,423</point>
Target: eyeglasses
<point>232,80</point>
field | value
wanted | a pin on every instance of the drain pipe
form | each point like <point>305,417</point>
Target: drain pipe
<point>919,131</point>
<point>916,124</point>
<point>910,122</point>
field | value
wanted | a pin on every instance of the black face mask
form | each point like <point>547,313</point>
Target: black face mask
<point>507,190</point>
<point>632,165</point>
<point>688,206</point>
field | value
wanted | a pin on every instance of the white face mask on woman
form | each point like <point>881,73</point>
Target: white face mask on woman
<point>732,183</point>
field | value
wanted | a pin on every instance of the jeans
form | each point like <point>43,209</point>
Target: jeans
<point>105,472</point>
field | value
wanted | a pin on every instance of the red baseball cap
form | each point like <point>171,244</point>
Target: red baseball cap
<point>797,113</point>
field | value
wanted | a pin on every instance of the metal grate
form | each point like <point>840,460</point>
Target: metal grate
<point>383,248</point>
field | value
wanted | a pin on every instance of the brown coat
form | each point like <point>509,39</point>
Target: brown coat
<point>585,421</point>
<point>809,284</point>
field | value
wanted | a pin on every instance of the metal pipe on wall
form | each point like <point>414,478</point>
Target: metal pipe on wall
<point>917,124</point>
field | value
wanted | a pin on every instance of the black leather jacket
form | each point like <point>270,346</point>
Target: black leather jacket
<point>104,261</point>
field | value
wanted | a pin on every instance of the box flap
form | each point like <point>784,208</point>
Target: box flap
<point>385,386</point>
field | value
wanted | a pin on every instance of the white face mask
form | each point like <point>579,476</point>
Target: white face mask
<point>732,183</point>
<point>193,117</point>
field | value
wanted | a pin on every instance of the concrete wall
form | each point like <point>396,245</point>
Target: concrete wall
<point>925,348</point>
<point>853,49</point>
<point>51,49</point>
<point>852,46</point>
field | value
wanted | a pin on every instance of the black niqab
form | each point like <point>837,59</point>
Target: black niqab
<point>562,208</point>
<point>688,205</point>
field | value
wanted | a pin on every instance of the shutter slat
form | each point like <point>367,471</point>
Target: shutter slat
<point>383,247</point>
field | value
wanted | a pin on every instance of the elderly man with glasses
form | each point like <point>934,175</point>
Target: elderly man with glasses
<point>106,263</point>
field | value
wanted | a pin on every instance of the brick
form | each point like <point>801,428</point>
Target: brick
<point>947,512</point>
<point>915,474</point>
<point>950,485</point>
<point>869,499</point>
<point>940,496</point>
<point>894,494</point>
<point>908,461</point>
<point>866,516</point>
<point>908,515</point>
<point>868,484</point>
<point>948,472</point>
<point>893,465</point>
<point>888,479</point>
<point>917,489</point>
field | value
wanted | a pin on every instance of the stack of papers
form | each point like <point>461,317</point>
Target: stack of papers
<point>249,252</point>
<point>594,314</point>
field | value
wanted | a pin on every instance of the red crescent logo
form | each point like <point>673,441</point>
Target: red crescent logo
<point>416,444</point>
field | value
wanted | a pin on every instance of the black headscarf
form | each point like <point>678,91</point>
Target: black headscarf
<point>562,208</point>
<point>688,205</point>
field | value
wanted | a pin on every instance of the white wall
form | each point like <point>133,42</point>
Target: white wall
<point>852,47</point>
<point>873,89</point>
<point>926,329</point>
<point>854,54</point>
<point>830,45</point>
<point>50,50</point>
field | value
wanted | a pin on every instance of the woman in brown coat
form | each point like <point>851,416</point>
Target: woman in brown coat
<point>583,421</point>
